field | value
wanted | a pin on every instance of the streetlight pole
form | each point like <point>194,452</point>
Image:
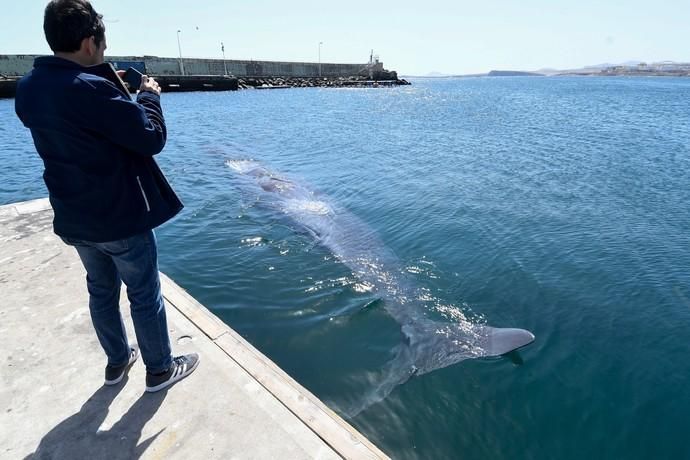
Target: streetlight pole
<point>225,67</point>
<point>320,43</point>
<point>179,47</point>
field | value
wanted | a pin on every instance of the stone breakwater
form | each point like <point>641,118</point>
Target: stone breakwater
<point>313,82</point>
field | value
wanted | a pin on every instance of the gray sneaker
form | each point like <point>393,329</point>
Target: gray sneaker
<point>181,367</point>
<point>115,374</point>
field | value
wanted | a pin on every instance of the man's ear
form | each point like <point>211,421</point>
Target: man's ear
<point>88,46</point>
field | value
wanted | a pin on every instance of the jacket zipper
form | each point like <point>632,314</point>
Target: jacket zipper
<point>146,200</point>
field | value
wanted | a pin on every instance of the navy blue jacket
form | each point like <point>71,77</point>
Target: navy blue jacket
<point>97,147</point>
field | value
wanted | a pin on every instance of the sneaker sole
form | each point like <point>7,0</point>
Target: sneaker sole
<point>122,376</point>
<point>167,383</point>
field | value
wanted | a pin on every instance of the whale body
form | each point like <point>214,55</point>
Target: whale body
<point>428,345</point>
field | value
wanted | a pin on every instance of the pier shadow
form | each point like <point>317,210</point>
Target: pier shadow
<point>78,436</point>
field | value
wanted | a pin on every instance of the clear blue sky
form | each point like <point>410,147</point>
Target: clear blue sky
<point>412,37</point>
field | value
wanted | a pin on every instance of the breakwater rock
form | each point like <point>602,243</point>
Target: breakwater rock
<point>313,82</point>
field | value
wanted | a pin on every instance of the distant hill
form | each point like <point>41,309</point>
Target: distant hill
<point>607,64</point>
<point>436,74</point>
<point>596,68</point>
<point>630,68</point>
<point>654,68</point>
<point>513,73</point>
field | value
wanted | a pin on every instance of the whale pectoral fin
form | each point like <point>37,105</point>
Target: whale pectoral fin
<point>315,239</point>
<point>406,331</point>
<point>496,341</point>
<point>371,305</point>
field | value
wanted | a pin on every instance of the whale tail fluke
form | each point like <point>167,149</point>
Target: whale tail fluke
<point>448,345</point>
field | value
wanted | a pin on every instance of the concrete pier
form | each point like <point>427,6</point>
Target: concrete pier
<point>53,404</point>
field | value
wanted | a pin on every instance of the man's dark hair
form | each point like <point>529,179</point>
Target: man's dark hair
<point>67,22</point>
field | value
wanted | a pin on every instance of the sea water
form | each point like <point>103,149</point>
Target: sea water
<point>558,205</point>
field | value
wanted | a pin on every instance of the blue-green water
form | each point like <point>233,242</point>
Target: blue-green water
<point>560,205</point>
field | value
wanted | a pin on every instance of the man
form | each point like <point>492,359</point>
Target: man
<point>106,191</point>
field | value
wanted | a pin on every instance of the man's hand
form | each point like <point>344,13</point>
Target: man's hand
<point>121,74</point>
<point>149,84</point>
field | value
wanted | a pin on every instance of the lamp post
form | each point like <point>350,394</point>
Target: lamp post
<point>179,47</point>
<point>225,67</point>
<point>320,43</point>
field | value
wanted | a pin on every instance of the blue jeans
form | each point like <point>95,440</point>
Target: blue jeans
<point>135,261</point>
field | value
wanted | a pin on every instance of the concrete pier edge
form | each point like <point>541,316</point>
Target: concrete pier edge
<point>345,440</point>
<point>325,423</point>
